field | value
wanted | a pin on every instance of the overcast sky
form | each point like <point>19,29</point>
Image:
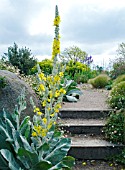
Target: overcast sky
<point>95,26</point>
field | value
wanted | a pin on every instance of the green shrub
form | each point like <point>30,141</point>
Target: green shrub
<point>21,58</point>
<point>119,79</point>
<point>117,96</point>
<point>45,66</point>
<point>75,67</point>
<point>100,81</point>
<point>3,82</point>
<point>114,127</point>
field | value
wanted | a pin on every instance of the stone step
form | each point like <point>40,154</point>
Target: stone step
<point>76,113</point>
<point>93,148</point>
<point>82,126</point>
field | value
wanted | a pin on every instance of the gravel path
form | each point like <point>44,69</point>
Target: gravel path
<point>91,98</point>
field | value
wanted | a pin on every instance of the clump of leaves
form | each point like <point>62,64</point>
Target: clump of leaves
<point>46,67</point>
<point>100,81</point>
<point>114,128</point>
<point>19,150</point>
<point>72,91</point>
<point>117,96</point>
<point>119,79</point>
<point>3,82</point>
<point>21,58</point>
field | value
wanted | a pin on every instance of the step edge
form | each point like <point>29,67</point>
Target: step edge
<point>80,125</point>
<point>97,146</point>
<point>84,109</point>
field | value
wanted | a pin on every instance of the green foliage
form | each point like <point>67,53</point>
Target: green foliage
<point>20,58</point>
<point>100,81</point>
<point>75,67</point>
<point>45,66</point>
<point>119,62</point>
<point>109,85</point>
<point>78,72</point>
<point>114,127</point>
<point>117,96</point>
<point>73,53</point>
<point>120,158</point>
<point>84,76</point>
<point>4,65</point>
<point>18,150</point>
<point>119,79</point>
<point>3,82</point>
<point>71,89</point>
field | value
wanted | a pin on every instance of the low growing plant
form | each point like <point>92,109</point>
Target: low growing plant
<point>119,79</point>
<point>114,128</point>
<point>5,65</point>
<point>46,67</point>
<point>100,81</point>
<point>3,82</point>
<point>117,96</point>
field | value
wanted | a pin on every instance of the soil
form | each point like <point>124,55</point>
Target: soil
<point>92,99</point>
<point>97,165</point>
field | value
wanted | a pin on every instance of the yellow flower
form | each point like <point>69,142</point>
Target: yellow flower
<point>48,100</point>
<point>44,103</point>
<point>34,134</point>
<point>57,93</point>
<point>36,109</point>
<point>49,78</point>
<point>52,114</point>
<point>44,120</point>
<point>44,132</point>
<point>37,128</point>
<point>62,91</point>
<point>50,94</point>
<point>42,77</point>
<point>56,78</point>
<point>57,21</point>
<point>110,164</point>
<point>84,163</point>
<point>50,125</point>
<point>56,110</point>
<point>49,108</point>
<point>41,87</point>
<point>61,74</point>
<point>58,106</point>
<point>39,113</point>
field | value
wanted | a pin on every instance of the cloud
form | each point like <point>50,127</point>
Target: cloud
<point>97,27</point>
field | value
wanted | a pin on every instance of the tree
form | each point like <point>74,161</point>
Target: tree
<point>121,51</point>
<point>73,53</point>
<point>119,62</point>
<point>21,58</point>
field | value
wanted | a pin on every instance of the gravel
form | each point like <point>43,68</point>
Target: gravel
<point>91,98</point>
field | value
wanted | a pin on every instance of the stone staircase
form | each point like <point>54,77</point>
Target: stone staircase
<point>85,127</point>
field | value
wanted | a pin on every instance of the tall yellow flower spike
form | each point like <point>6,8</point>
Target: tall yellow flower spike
<point>56,41</point>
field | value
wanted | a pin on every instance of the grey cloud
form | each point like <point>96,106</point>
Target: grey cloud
<point>13,27</point>
<point>94,27</point>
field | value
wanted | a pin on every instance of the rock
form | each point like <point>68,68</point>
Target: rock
<point>9,94</point>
